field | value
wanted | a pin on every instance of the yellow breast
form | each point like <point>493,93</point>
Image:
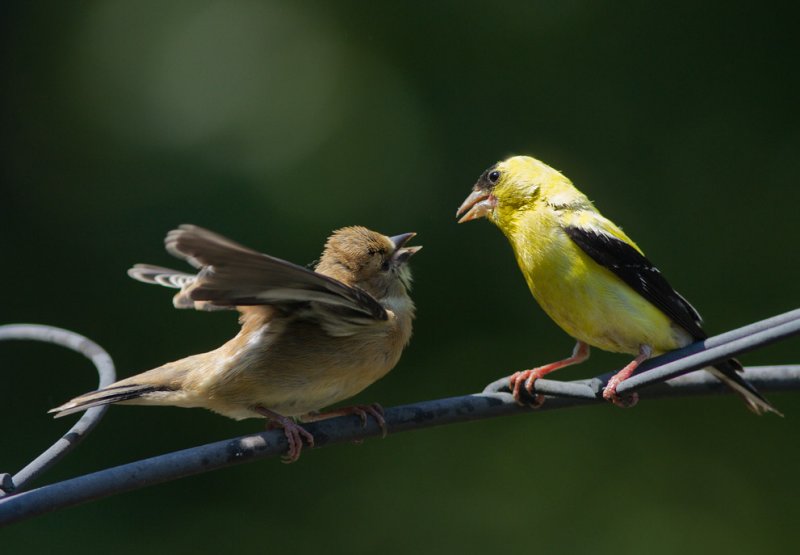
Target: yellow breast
<point>585,299</point>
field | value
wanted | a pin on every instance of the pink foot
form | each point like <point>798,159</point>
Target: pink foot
<point>528,378</point>
<point>627,402</point>
<point>610,391</point>
<point>362,411</point>
<point>295,434</point>
<point>375,411</point>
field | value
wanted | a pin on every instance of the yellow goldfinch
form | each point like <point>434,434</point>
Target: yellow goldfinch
<point>308,338</point>
<point>588,276</point>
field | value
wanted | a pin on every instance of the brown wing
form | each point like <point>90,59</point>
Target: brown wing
<point>233,275</point>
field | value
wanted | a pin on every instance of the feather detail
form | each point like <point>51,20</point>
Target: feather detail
<point>585,272</point>
<point>308,338</point>
<point>111,394</point>
<point>632,267</point>
<point>157,275</point>
<point>728,373</point>
<point>233,275</point>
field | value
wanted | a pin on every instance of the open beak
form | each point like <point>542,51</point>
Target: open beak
<point>477,205</point>
<point>401,253</point>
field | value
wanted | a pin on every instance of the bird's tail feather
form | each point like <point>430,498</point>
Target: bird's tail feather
<point>157,275</point>
<point>728,373</point>
<point>115,393</point>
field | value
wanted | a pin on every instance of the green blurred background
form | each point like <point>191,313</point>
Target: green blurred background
<point>276,122</point>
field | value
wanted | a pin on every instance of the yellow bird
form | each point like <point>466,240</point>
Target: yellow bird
<point>588,276</point>
<point>308,338</point>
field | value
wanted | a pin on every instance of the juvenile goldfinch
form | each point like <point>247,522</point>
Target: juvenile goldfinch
<point>588,276</point>
<point>308,339</point>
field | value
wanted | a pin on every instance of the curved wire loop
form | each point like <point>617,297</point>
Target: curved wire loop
<point>493,402</point>
<point>674,363</point>
<point>105,368</point>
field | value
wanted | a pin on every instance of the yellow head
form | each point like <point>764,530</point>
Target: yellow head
<point>515,185</point>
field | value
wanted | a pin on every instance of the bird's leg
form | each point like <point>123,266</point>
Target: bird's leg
<point>362,411</point>
<point>529,377</point>
<point>610,391</point>
<point>294,432</point>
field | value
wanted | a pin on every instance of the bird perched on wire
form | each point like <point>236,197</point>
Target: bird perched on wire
<point>308,339</point>
<point>588,276</point>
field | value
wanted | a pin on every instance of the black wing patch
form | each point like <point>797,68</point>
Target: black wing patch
<point>639,274</point>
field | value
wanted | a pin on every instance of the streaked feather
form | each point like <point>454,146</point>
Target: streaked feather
<point>233,275</point>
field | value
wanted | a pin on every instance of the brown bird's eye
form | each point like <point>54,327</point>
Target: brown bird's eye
<point>494,176</point>
<point>385,265</point>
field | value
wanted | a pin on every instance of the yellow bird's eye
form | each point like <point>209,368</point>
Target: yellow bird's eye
<point>494,176</point>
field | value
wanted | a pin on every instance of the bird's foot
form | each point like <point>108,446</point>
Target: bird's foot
<point>295,433</point>
<point>626,402</point>
<point>362,411</point>
<point>610,391</point>
<point>375,411</point>
<point>526,378</point>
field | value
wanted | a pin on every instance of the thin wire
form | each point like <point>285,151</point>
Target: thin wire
<point>711,355</point>
<point>107,374</point>
<point>343,429</point>
<point>675,363</point>
<point>492,403</point>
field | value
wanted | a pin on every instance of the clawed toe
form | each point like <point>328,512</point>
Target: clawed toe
<point>626,402</point>
<point>375,411</point>
<point>526,379</point>
<point>295,434</point>
<point>362,411</point>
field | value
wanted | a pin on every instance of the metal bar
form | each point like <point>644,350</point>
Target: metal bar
<point>107,374</point>
<point>344,429</point>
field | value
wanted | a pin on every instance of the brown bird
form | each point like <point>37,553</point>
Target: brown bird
<point>308,339</point>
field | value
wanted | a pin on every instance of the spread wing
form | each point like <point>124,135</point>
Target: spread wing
<point>638,273</point>
<point>233,275</point>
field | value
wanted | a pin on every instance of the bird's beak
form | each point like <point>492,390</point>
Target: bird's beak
<point>401,253</point>
<point>477,205</point>
<point>399,240</point>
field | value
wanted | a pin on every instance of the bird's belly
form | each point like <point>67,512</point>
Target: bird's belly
<point>294,381</point>
<point>593,305</point>
<point>292,399</point>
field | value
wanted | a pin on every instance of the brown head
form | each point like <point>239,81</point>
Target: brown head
<point>367,259</point>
